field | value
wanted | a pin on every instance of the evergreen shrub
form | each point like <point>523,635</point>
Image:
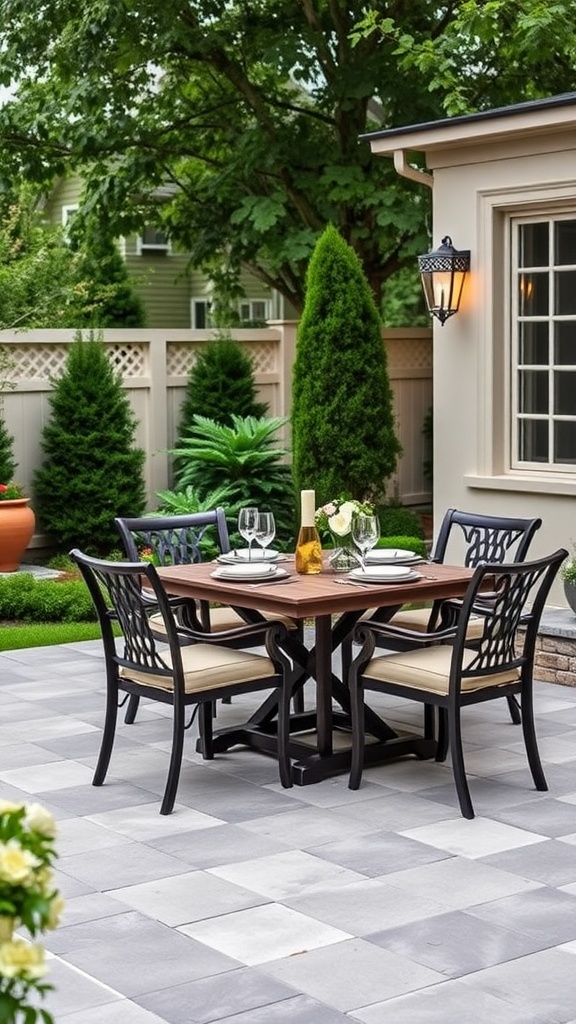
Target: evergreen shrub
<point>342,421</point>
<point>91,470</point>
<point>221,385</point>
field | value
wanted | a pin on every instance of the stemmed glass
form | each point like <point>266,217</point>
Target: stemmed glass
<point>247,523</point>
<point>365,534</point>
<point>265,530</point>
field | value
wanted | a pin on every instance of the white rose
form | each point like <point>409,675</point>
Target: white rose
<point>21,958</point>
<point>340,523</point>
<point>16,864</point>
<point>40,820</point>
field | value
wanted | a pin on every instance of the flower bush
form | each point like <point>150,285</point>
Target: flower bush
<point>9,492</point>
<point>336,516</point>
<point>28,900</point>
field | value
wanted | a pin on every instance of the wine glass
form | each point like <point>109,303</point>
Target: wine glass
<point>365,534</point>
<point>247,523</point>
<point>265,530</point>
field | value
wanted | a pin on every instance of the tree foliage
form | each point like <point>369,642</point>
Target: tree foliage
<point>342,422</point>
<point>253,110</point>
<point>221,384</point>
<point>91,471</point>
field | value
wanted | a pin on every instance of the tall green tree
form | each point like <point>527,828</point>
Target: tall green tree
<point>91,471</point>
<point>105,297</point>
<point>342,424</point>
<point>253,110</point>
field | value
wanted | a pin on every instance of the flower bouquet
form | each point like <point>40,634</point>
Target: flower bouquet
<point>28,900</point>
<point>335,518</point>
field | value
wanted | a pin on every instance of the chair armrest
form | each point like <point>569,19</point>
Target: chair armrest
<point>223,636</point>
<point>399,633</point>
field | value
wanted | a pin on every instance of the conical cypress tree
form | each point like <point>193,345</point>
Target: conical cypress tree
<point>91,471</point>
<point>342,422</point>
<point>7,463</point>
<point>221,385</point>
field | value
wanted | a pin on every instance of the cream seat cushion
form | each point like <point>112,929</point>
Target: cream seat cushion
<point>429,669</point>
<point>208,667</point>
<point>222,619</point>
<point>417,619</point>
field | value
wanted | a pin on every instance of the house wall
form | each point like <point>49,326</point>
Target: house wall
<point>475,186</point>
<point>154,366</point>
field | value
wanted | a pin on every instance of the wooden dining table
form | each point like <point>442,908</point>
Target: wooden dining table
<point>319,739</point>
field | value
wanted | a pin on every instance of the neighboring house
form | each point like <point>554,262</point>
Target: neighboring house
<point>504,186</point>
<point>174,294</point>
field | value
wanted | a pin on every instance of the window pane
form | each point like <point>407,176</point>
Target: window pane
<point>565,443</point>
<point>533,245</point>
<point>565,393</point>
<point>533,344</point>
<point>565,292</point>
<point>533,391</point>
<point>565,242</point>
<point>533,294</point>
<point>565,344</point>
<point>533,441</point>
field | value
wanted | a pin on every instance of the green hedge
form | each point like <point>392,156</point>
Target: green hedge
<point>26,599</point>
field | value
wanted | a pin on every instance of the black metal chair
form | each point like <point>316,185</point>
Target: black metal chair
<point>472,539</point>
<point>140,666</point>
<point>177,540</point>
<point>453,676</point>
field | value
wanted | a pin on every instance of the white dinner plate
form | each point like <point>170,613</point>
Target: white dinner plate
<point>244,571</point>
<point>241,555</point>
<point>384,574</point>
<point>391,556</point>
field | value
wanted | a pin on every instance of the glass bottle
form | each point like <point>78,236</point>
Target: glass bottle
<point>308,547</point>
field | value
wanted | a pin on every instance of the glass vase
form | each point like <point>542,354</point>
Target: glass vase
<point>344,555</point>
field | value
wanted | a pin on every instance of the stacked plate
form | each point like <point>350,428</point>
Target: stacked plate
<point>248,571</point>
<point>391,556</point>
<point>243,555</point>
<point>385,574</point>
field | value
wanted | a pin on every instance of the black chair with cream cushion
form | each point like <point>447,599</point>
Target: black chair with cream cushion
<point>139,665</point>
<point>510,600</point>
<point>178,540</point>
<point>471,539</point>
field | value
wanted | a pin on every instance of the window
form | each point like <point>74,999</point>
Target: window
<point>153,240</point>
<point>543,333</point>
<point>201,314</point>
<point>254,310</point>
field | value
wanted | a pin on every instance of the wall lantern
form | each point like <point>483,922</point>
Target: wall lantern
<point>442,272</point>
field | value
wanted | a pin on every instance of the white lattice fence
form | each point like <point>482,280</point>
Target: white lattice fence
<point>154,366</point>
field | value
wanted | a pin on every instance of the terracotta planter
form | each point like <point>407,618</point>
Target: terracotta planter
<point>17,522</point>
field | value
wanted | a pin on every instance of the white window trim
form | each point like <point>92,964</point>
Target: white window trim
<point>495,207</point>
<point>142,246</point>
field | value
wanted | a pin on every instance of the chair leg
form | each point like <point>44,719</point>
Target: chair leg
<point>443,739</point>
<point>358,731</point>
<point>429,722</point>
<point>205,718</point>
<point>458,768</point>
<point>531,743</point>
<point>132,708</point>
<point>107,739</point>
<point>175,761</point>
<point>514,709</point>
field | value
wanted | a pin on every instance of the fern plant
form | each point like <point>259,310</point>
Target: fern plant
<point>246,458</point>
<point>189,500</point>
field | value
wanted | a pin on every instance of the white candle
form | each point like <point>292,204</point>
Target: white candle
<point>307,507</point>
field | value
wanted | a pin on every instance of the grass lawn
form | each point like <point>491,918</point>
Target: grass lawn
<point>43,634</point>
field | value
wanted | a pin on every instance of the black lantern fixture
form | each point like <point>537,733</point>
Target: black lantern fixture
<point>442,272</point>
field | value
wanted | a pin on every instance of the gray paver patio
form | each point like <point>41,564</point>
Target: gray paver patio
<point>255,905</point>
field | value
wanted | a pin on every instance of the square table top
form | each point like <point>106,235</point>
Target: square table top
<point>309,596</point>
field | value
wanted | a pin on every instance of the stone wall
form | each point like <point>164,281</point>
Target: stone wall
<point>555,660</point>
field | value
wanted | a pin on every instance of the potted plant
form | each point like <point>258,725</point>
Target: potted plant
<point>17,522</point>
<point>568,574</point>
